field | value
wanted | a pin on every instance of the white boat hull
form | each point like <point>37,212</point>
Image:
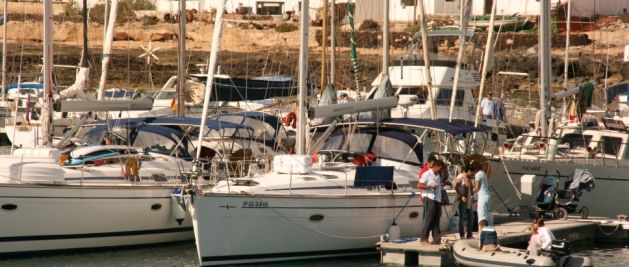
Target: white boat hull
<point>239,228</point>
<point>611,186</point>
<point>37,218</point>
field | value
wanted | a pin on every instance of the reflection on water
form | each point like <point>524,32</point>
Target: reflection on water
<point>184,254</point>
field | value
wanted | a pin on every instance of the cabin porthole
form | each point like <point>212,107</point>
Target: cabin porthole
<point>413,215</point>
<point>156,206</point>
<point>9,207</point>
<point>316,217</point>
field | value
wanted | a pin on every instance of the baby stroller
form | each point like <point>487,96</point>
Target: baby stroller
<point>558,203</point>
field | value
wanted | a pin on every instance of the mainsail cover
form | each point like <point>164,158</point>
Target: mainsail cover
<point>259,88</point>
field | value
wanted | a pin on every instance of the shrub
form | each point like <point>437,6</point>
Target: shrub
<point>369,25</point>
<point>71,10</point>
<point>412,28</point>
<point>126,10</point>
<point>286,27</point>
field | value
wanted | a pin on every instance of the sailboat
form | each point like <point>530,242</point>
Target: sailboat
<point>557,150</point>
<point>95,196</point>
<point>341,205</point>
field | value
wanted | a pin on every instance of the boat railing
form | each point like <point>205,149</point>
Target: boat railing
<point>550,148</point>
<point>221,168</point>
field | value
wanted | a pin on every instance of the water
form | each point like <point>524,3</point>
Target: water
<point>184,254</point>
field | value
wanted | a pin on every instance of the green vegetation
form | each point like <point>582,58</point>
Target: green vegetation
<point>369,25</point>
<point>412,28</point>
<point>286,27</point>
<point>126,10</point>
<point>71,10</point>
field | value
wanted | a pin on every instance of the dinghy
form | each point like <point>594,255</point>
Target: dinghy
<point>467,253</point>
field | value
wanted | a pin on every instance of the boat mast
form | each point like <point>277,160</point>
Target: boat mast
<point>84,61</point>
<point>545,74</point>
<point>211,70</point>
<point>181,66</point>
<point>566,61</point>
<point>109,37</point>
<point>47,107</point>
<point>332,42</point>
<point>465,14</point>
<point>385,39</point>
<point>427,75</point>
<point>324,45</point>
<point>4,49</point>
<point>486,58</point>
<point>303,72</point>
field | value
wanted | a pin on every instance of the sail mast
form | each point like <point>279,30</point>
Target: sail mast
<point>332,41</point>
<point>4,49</point>
<point>181,66</point>
<point>465,14</point>
<point>324,46</point>
<point>47,107</point>
<point>486,59</point>
<point>211,69</point>
<point>109,37</point>
<point>303,72</point>
<point>545,74</point>
<point>385,39</point>
<point>567,55</point>
<point>425,47</point>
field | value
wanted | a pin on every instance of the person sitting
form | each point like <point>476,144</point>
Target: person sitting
<point>488,237</point>
<point>535,243</point>
<point>545,235</point>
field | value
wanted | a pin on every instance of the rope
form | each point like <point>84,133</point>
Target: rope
<point>517,192</point>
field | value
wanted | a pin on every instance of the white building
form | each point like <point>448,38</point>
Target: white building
<point>406,10</point>
<point>259,7</point>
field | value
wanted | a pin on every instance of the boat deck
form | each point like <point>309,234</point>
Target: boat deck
<point>512,232</point>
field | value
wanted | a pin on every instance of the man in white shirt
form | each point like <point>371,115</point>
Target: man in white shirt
<point>487,106</point>
<point>430,183</point>
<point>545,235</point>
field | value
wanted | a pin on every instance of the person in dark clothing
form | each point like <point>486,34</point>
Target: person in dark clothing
<point>488,237</point>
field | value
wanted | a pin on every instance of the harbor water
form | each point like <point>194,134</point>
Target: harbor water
<point>184,254</point>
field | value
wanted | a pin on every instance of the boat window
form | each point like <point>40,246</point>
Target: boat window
<point>394,149</point>
<point>359,142</point>
<point>334,142</point>
<point>155,142</point>
<point>261,129</point>
<point>611,145</point>
<point>576,140</point>
<point>420,91</point>
<point>445,95</point>
<point>164,95</point>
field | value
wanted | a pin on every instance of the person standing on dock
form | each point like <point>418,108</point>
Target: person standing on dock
<point>463,186</point>
<point>430,183</point>
<point>484,195</point>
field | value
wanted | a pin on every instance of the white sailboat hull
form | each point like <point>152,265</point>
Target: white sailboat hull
<point>606,199</point>
<point>239,228</point>
<point>38,218</point>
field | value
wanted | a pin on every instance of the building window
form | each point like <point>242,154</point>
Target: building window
<point>269,8</point>
<point>409,2</point>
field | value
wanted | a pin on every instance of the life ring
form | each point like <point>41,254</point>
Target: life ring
<point>290,119</point>
<point>131,167</point>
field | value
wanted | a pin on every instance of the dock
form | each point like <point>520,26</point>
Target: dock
<point>512,232</point>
